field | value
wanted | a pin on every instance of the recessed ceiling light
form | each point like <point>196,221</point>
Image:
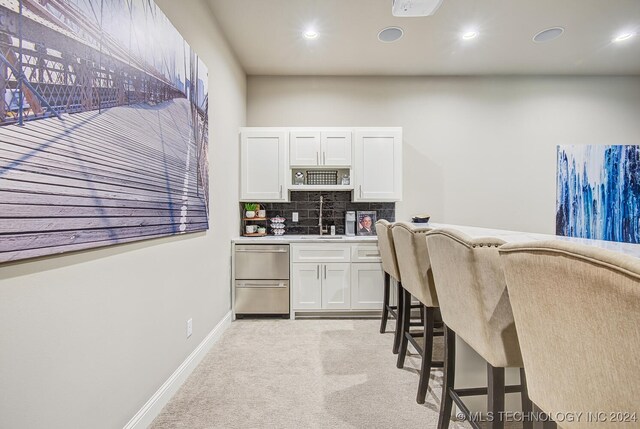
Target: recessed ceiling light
<point>310,34</point>
<point>548,35</point>
<point>623,37</point>
<point>470,35</point>
<point>390,34</point>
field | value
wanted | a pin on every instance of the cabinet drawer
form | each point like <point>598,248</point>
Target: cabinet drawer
<point>320,252</point>
<point>262,297</point>
<point>365,253</point>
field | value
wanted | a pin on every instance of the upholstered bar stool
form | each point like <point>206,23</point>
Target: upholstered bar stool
<point>577,310</point>
<point>390,267</point>
<point>417,281</point>
<point>474,303</point>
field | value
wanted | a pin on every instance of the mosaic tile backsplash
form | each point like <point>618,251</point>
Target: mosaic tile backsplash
<point>307,204</point>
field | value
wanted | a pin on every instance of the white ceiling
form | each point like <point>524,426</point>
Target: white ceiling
<point>267,37</point>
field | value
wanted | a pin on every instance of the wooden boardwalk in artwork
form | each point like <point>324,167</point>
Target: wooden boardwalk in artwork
<point>96,179</point>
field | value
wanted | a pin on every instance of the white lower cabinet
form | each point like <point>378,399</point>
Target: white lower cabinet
<point>320,286</point>
<point>335,277</point>
<point>306,286</point>
<point>366,286</point>
<point>335,286</point>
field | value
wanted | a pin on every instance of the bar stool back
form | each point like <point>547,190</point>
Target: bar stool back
<point>475,306</point>
<point>417,281</point>
<point>390,268</point>
<point>577,310</point>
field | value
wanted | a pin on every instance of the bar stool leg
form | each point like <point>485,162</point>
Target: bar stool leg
<point>448,379</point>
<point>405,327</point>
<point>385,303</point>
<point>495,396</point>
<point>399,311</point>
<point>527,405</point>
<point>427,353</point>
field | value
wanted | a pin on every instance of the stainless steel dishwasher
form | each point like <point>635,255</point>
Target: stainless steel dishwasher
<point>261,279</point>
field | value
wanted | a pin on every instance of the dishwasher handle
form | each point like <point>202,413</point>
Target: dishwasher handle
<point>261,284</point>
<point>262,250</point>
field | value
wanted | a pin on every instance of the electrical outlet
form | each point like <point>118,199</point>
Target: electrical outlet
<point>189,327</point>
<point>294,217</point>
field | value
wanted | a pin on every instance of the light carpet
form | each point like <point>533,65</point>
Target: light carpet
<point>268,373</point>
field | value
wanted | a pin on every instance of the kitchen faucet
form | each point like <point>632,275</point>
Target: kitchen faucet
<point>323,229</point>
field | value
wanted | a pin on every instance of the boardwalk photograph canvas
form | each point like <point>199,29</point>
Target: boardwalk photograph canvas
<point>103,127</point>
<point>598,193</point>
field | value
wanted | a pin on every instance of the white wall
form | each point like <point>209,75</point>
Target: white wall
<point>87,338</point>
<point>477,150</point>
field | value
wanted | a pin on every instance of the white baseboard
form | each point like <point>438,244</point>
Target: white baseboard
<point>154,405</point>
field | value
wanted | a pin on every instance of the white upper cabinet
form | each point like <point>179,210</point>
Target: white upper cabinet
<point>304,148</point>
<point>320,148</point>
<point>336,148</point>
<point>370,157</point>
<point>378,164</point>
<point>263,164</point>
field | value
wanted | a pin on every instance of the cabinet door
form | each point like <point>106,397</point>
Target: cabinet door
<point>367,282</point>
<point>335,286</point>
<point>336,148</point>
<point>378,165</point>
<point>306,287</point>
<point>304,149</point>
<point>262,166</point>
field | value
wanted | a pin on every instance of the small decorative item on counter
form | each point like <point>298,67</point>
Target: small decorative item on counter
<point>262,213</point>
<point>262,230</point>
<point>250,209</point>
<point>298,178</point>
<point>422,218</point>
<point>366,221</point>
<point>345,179</point>
<point>277,225</point>
<point>251,229</point>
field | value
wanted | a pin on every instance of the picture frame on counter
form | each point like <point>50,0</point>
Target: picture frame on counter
<point>366,222</point>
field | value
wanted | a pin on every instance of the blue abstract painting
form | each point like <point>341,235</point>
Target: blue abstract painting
<point>598,192</point>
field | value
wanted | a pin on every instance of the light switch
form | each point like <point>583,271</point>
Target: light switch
<point>294,217</point>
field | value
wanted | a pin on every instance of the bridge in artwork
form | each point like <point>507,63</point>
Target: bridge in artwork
<point>103,126</point>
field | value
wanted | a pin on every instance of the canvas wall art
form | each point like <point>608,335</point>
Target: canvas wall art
<point>103,126</point>
<point>598,192</point>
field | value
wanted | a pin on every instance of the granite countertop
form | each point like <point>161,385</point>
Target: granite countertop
<point>286,239</point>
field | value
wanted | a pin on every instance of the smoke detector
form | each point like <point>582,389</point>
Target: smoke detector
<point>403,8</point>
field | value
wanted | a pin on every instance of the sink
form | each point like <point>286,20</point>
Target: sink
<point>322,237</point>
